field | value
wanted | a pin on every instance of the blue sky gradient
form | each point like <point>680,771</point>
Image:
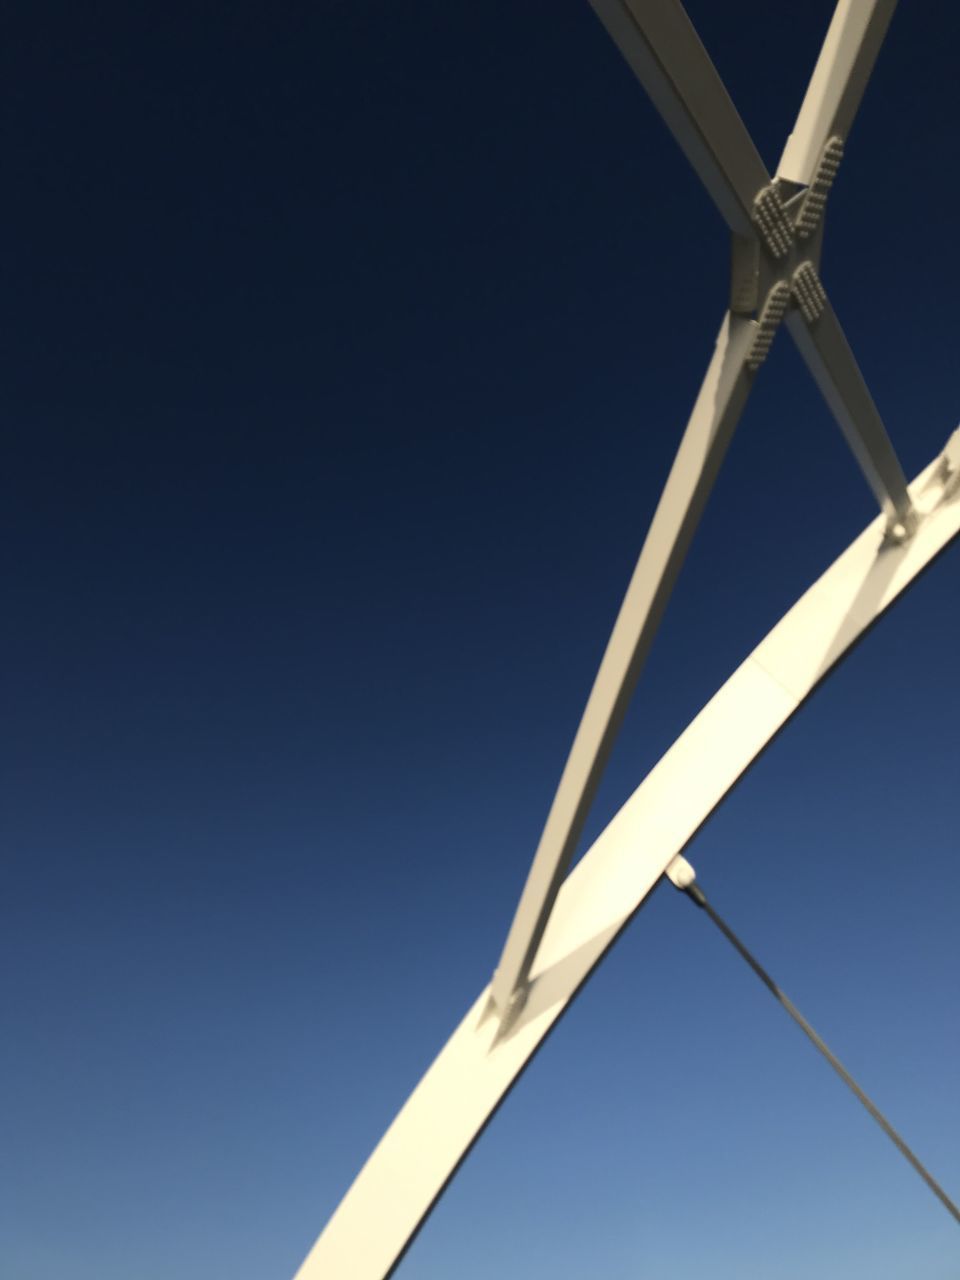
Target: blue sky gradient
<point>348,351</point>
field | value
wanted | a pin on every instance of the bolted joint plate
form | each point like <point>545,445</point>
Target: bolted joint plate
<point>784,230</point>
<point>768,322</point>
<point>815,200</point>
<point>808,292</point>
<point>772,223</point>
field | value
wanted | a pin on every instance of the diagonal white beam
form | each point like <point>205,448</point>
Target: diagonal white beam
<point>713,420</point>
<point>826,352</point>
<point>662,47</point>
<point>839,79</point>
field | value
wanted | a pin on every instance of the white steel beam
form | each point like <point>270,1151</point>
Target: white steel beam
<point>445,1114</point>
<point>712,423</point>
<point>662,47</point>
<point>563,927</point>
<point>839,79</point>
<point>664,51</point>
<point>826,352</point>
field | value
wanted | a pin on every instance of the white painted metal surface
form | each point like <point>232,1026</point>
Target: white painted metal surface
<point>662,48</point>
<point>837,84</point>
<point>421,1150</point>
<point>563,927</point>
<point>665,53</point>
<point>776,258</point>
<point>826,353</point>
<point>709,431</point>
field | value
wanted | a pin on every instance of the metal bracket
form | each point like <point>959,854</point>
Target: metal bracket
<point>680,873</point>
<point>744,275</point>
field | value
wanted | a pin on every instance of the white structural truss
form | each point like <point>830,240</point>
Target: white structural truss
<point>565,923</point>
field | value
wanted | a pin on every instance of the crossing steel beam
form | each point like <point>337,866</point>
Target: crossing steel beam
<point>565,923</point>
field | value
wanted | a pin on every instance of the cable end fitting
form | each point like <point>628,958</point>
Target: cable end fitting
<point>683,877</point>
<point>696,894</point>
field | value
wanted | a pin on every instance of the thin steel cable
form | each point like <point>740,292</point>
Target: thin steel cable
<point>697,895</point>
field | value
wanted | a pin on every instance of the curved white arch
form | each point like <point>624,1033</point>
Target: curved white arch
<point>422,1149</point>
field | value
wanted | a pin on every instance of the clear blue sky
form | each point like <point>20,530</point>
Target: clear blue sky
<point>347,346</point>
